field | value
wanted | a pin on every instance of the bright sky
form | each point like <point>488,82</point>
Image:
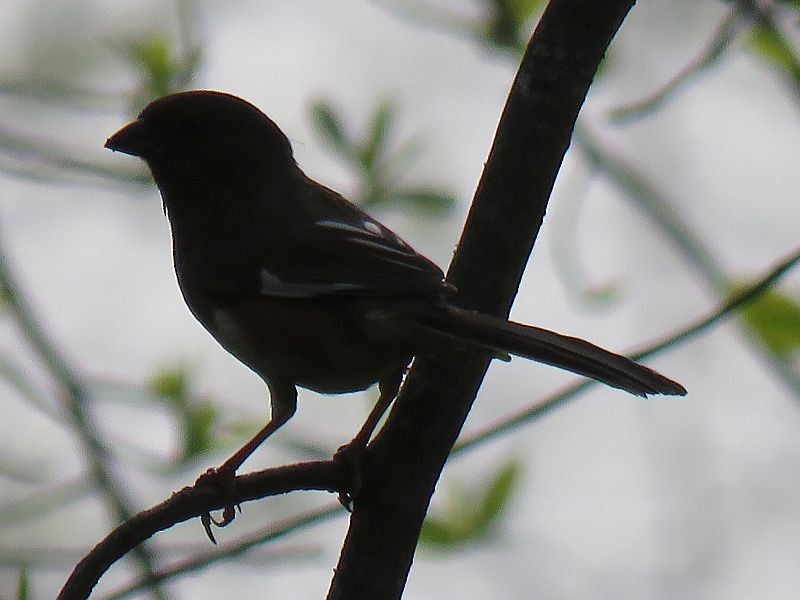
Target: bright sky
<point>621,498</point>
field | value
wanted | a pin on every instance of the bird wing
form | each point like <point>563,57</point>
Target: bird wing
<point>331,247</point>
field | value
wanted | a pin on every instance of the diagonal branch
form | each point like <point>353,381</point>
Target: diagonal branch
<point>403,464</point>
<point>74,398</point>
<point>685,334</point>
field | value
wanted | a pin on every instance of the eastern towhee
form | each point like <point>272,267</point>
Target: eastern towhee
<point>304,287</point>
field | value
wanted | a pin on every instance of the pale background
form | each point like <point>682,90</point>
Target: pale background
<point>621,498</point>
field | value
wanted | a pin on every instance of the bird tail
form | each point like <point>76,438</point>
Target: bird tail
<point>542,345</point>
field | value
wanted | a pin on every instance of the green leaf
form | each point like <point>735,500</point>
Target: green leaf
<point>472,515</point>
<point>196,417</point>
<point>199,425</point>
<point>23,584</point>
<point>771,46</point>
<point>373,192</point>
<point>154,57</point>
<point>375,143</point>
<point>163,67</point>
<point>497,495</point>
<point>522,10</point>
<point>332,129</point>
<point>172,384</point>
<point>775,319</point>
<point>379,168</point>
<point>436,533</point>
<point>507,21</point>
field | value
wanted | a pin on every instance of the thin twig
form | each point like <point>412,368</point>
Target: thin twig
<point>31,155</point>
<point>654,204</point>
<point>226,551</point>
<point>256,485</point>
<point>687,333</point>
<point>74,398</point>
<point>724,35</point>
<point>20,380</point>
<point>190,502</point>
<point>42,502</point>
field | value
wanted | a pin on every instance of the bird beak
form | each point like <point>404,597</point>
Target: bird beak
<point>131,139</point>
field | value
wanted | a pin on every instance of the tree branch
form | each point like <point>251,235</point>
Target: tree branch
<point>685,334</point>
<point>190,502</point>
<point>402,465</point>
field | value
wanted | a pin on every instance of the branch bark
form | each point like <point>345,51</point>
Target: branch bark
<point>404,462</point>
<point>192,502</point>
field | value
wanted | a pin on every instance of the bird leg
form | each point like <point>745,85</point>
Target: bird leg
<point>352,452</point>
<point>283,399</point>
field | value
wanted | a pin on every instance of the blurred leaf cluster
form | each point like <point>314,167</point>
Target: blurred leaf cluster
<point>775,319</point>
<point>195,417</point>
<point>508,22</point>
<point>472,514</point>
<point>160,63</point>
<point>380,169</point>
<point>163,67</point>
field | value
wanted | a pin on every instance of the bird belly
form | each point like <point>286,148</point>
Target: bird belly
<point>316,343</point>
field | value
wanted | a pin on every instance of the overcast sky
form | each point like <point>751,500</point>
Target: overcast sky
<point>621,498</point>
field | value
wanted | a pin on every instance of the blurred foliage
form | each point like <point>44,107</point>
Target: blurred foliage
<point>380,169</point>
<point>500,25</point>
<point>161,63</point>
<point>162,66</point>
<point>23,585</point>
<point>472,514</point>
<point>508,22</point>
<point>775,319</point>
<point>196,418</point>
<point>772,46</point>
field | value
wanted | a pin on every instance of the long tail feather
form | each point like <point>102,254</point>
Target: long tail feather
<point>542,345</point>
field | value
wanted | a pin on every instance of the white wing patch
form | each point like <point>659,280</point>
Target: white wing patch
<point>272,285</point>
<point>370,234</point>
<point>373,227</point>
<point>339,226</point>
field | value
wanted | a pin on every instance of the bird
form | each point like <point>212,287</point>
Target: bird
<point>304,287</point>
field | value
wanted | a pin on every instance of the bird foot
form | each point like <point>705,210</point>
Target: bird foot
<point>226,480</point>
<point>351,455</point>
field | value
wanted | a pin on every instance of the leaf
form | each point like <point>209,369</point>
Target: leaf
<point>332,129</point>
<point>472,515</point>
<point>497,495</point>
<point>163,68</point>
<point>23,584</point>
<point>196,417</point>
<point>380,169</point>
<point>522,10</point>
<point>508,19</point>
<point>154,57</point>
<point>770,45</point>
<point>436,533</point>
<point>171,384</point>
<point>199,425</point>
<point>775,319</point>
<point>375,143</point>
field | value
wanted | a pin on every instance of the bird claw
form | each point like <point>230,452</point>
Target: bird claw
<point>351,455</point>
<point>225,479</point>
